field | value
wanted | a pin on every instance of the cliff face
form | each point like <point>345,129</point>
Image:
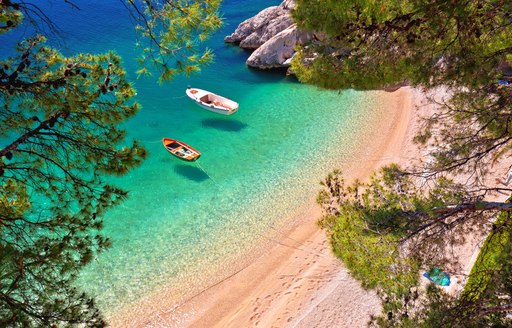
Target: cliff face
<point>273,34</point>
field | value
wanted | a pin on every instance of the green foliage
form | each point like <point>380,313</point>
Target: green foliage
<point>355,73</point>
<point>172,33</point>
<point>60,136</point>
<point>373,258</point>
<point>10,16</point>
<point>463,48</point>
<point>385,231</point>
<point>373,44</point>
<point>485,299</point>
<point>59,124</point>
<point>367,225</point>
<point>489,282</point>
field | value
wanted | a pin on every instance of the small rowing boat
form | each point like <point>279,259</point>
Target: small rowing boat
<point>212,102</point>
<point>181,150</point>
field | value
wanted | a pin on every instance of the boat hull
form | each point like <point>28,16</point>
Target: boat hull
<point>215,110</point>
<point>212,102</point>
<point>181,150</point>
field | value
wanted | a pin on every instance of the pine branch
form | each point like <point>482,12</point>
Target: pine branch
<point>445,212</point>
<point>495,309</point>
<point>24,138</point>
<point>476,206</point>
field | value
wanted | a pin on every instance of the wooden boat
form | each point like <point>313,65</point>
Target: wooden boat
<point>181,150</point>
<point>212,102</point>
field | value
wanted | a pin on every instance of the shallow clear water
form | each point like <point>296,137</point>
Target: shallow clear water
<point>184,222</point>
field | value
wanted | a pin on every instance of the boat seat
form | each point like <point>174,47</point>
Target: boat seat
<point>173,145</point>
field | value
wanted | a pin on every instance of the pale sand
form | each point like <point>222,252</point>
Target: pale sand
<point>298,282</point>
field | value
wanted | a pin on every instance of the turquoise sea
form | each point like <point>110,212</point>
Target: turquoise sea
<point>187,225</point>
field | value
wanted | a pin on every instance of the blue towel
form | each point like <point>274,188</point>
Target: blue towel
<point>438,277</point>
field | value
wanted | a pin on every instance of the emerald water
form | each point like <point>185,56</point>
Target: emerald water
<point>184,224</point>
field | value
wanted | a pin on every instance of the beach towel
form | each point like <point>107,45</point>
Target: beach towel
<point>438,277</point>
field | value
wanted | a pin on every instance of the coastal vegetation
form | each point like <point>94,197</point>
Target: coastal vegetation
<point>403,220</point>
<point>61,132</point>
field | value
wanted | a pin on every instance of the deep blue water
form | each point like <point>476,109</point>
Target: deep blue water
<point>184,224</point>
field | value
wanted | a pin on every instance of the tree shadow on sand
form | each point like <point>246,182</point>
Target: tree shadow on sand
<point>191,172</point>
<point>224,125</point>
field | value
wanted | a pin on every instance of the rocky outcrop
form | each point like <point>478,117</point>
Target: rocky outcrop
<point>273,34</point>
<point>274,37</point>
<point>278,51</point>
<point>255,31</point>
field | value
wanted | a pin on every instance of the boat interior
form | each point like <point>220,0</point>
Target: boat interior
<point>216,101</point>
<point>206,99</point>
<point>173,145</point>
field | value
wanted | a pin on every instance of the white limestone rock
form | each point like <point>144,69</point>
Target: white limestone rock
<point>255,31</point>
<point>273,34</point>
<point>278,51</point>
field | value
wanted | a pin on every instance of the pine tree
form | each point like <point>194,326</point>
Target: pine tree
<point>465,47</point>
<point>60,137</point>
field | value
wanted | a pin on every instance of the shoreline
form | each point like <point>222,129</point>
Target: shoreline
<point>300,283</point>
<point>297,281</point>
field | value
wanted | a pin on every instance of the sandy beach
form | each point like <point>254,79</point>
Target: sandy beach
<point>298,282</point>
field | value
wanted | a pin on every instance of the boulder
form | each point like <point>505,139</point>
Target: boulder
<point>278,50</point>
<point>273,34</point>
<point>255,31</point>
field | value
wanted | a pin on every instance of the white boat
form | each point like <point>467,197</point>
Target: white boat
<point>212,102</point>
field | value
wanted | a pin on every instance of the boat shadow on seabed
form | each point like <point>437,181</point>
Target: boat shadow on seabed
<point>191,172</point>
<point>228,125</point>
